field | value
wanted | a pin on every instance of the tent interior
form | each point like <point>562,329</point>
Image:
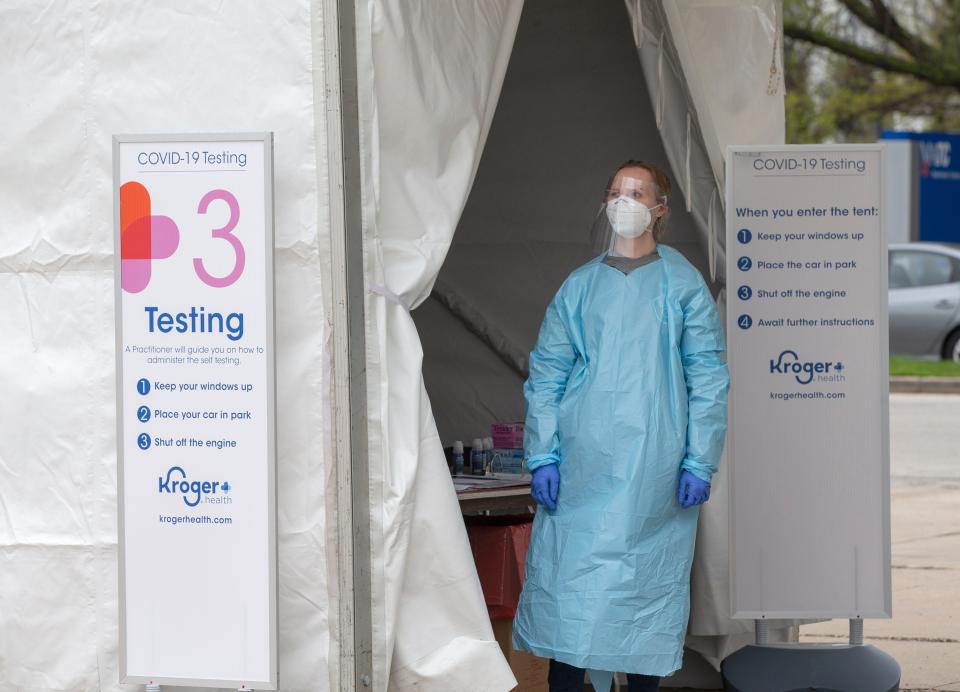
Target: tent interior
<point>574,105</point>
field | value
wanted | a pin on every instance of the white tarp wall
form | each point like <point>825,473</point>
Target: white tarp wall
<point>73,74</point>
<point>731,55</point>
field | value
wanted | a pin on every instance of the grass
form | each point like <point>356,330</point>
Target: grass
<point>911,367</point>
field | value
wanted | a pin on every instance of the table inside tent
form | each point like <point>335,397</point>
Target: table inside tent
<point>496,493</point>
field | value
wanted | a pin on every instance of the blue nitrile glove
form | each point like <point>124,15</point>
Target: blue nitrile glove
<point>692,490</point>
<point>545,485</point>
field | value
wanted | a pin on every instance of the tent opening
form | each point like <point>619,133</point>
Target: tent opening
<point>573,106</point>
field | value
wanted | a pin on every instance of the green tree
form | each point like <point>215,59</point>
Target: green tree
<point>855,67</point>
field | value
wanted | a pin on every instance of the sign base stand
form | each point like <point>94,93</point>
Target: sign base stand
<point>826,667</point>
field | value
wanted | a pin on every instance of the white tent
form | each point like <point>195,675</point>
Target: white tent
<point>392,174</point>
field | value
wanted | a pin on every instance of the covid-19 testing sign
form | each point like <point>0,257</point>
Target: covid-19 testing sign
<point>807,349</point>
<point>196,409</point>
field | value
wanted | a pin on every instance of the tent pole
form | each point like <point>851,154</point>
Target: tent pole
<point>337,95</point>
<point>472,319</point>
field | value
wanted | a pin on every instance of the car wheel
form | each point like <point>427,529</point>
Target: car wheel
<point>951,347</point>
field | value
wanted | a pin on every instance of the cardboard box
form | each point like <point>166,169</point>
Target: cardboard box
<point>530,671</point>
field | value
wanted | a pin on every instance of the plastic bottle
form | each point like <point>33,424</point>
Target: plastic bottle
<point>488,454</point>
<point>458,458</point>
<point>477,458</point>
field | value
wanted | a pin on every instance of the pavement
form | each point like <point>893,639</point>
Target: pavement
<point>924,633</point>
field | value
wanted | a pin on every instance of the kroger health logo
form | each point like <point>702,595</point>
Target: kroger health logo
<point>789,363</point>
<point>192,492</point>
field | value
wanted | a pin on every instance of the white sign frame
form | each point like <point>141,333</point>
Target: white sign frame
<point>864,581</point>
<point>195,140</point>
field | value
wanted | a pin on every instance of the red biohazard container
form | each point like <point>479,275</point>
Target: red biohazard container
<point>499,547</point>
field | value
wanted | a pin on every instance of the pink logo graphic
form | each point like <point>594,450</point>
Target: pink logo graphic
<point>143,237</point>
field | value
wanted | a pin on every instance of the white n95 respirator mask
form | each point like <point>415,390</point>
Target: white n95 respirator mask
<point>628,217</point>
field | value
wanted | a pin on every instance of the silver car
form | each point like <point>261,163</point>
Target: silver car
<point>925,300</point>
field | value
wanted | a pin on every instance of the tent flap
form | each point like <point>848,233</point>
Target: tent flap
<point>425,109</point>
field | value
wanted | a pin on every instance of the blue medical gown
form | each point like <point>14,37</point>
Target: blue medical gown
<point>628,387</point>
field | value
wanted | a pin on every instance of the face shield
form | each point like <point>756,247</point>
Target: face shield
<point>627,212</point>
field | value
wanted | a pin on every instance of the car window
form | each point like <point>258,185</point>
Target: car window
<point>909,269</point>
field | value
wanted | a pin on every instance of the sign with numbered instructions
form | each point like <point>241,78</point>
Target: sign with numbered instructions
<point>196,409</point>
<point>807,347</point>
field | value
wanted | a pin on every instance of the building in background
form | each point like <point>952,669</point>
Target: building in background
<point>923,186</point>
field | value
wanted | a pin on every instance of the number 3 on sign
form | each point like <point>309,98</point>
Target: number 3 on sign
<point>227,234</point>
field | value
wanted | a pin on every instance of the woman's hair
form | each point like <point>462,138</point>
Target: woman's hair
<point>663,187</point>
